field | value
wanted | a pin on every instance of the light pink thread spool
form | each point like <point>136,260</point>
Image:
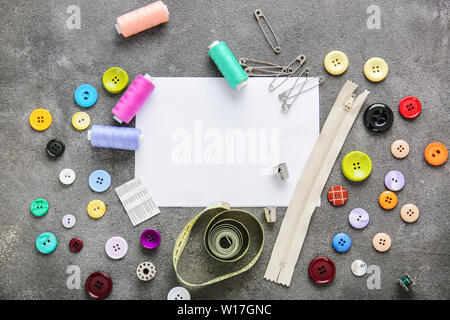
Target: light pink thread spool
<point>133,99</point>
<point>142,19</point>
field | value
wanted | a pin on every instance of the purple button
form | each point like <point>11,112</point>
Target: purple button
<point>394,180</point>
<point>150,238</point>
<point>358,218</point>
<point>116,247</point>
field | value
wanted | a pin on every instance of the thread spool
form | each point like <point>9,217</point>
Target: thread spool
<point>228,64</point>
<point>142,19</point>
<point>406,282</point>
<point>115,137</point>
<point>133,99</point>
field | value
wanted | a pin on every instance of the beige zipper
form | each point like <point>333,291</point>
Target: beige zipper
<point>311,183</point>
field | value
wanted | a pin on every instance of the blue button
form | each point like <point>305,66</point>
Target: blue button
<point>85,95</point>
<point>99,180</point>
<point>342,242</point>
<point>46,242</point>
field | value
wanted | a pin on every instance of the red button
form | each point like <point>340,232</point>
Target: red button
<point>410,107</point>
<point>322,270</point>
<point>98,285</point>
<point>75,245</point>
<point>337,195</point>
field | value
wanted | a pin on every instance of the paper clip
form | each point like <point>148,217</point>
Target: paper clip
<point>301,59</point>
<point>284,95</point>
<point>259,14</point>
<point>285,105</point>
<point>265,72</point>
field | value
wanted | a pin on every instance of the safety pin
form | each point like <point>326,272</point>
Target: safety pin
<point>301,60</point>
<point>285,105</point>
<point>264,72</point>
<point>243,62</point>
<point>283,96</point>
<point>259,14</point>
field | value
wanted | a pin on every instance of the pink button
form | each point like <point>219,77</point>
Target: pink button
<point>116,247</point>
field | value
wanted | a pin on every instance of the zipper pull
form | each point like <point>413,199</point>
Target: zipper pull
<point>349,103</point>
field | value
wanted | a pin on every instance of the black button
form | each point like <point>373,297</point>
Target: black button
<point>55,148</point>
<point>378,117</point>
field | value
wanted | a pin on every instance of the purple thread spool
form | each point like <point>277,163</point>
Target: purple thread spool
<point>133,99</point>
<point>150,238</point>
<point>115,137</point>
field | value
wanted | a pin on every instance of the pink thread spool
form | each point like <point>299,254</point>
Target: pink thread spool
<point>142,19</point>
<point>133,99</point>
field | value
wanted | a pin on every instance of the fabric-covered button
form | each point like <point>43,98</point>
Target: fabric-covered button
<point>178,293</point>
<point>67,176</point>
<point>387,200</point>
<point>68,221</point>
<point>46,242</point>
<point>150,238</point>
<point>81,120</point>
<point>400,149</point>
<point>85,95</point>
<point>335,62</point>
<point>55,148</point>
<point>376,69</point>
<point>96,209</point>
<point>410,107</point>
<point>146,271</point>
<point>356,166</point>
<point>394,180</point>
<point>98,285</point>
<point>115,80</point>
<point>381,242</point>
<point>75,245</point>
<point>116,247</point>
<point>358,218</point>
<point>337,195</point>
<point>359,268</point>
<point>322,270</point>
<point>40,119</point>
<point>436,153</point>
<point>99,180</point>
<point>39,207</point>
<point>342,242</point>
<point>378,117</point>
<point>409,213</point>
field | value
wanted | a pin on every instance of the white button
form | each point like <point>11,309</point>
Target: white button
<point>67,176</point>
<point>68,221</point>
<point>116,247</point>
<point>146,271</point>
<point>359,268</point>
<point>178,293</point>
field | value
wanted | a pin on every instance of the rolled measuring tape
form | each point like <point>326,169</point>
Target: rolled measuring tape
<point>217,244</point>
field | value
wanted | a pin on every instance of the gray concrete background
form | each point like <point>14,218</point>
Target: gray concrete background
<point>42,62</point>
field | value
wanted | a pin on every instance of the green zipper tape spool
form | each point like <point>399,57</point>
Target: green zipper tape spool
<point>406,282</point>
<point>228,65</point>
<point>217,244</point>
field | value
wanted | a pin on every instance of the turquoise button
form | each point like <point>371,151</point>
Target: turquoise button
<point>46,242</point>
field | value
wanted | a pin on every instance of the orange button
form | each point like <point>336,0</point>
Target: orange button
<point>387,200</point>
<point>436,153</point>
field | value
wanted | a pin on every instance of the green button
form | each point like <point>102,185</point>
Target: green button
<point>115,80</point>
<point>39,207</point>
<point>356,166</point>
<point>46,242</point>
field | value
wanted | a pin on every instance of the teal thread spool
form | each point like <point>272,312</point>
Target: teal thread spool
<point>228,65</point>
<point>406,282</point>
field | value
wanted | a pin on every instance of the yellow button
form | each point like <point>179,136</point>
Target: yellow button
<point>376,69</point>
<point>96,209</point>
<point>40,119</point>
<point>115,80</point>
<point>335,62</point>
<point>387,200</point>
<point>81,120</point>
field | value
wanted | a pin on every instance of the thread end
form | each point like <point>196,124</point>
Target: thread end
<point>242,84</point>
<point>148,77</point>
<point>213,44</point>
<point>118,119</point>
<point>89,135</point>
<point>118,29</point>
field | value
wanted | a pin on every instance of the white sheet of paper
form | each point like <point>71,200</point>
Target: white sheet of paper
<point>205,142</point>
